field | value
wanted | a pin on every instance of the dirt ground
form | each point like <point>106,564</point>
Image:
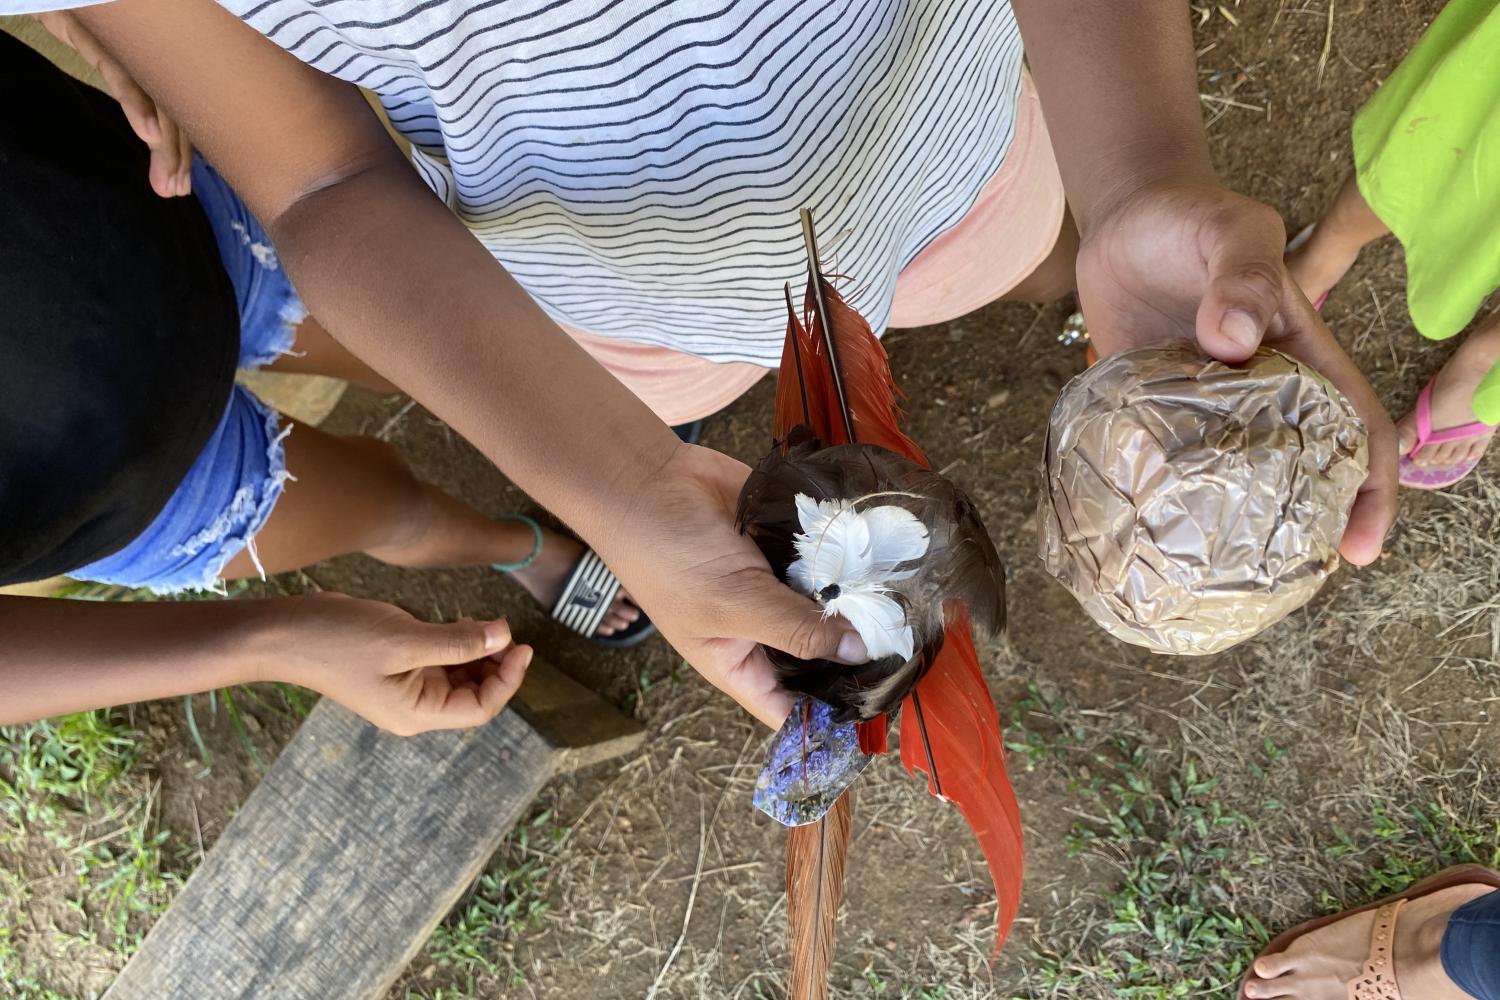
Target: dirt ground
<point>1350,740</point>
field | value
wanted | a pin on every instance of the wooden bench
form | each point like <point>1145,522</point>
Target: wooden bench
<point>357,843</point>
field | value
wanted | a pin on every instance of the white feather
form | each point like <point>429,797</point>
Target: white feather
<point>847,559</point>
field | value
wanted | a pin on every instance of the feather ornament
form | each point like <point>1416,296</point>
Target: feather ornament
<point>839,439</point>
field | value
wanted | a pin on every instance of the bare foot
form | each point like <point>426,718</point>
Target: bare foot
<point>1452,399</point>
<point>1319,966</point>
<point>544,579</point>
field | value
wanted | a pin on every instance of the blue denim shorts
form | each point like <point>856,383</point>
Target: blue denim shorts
<point>227,495</point>
<point>1471,947</point>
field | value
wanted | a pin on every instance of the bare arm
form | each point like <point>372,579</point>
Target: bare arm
<point>1119,90</point>
<point>67,656</point>
<point>403,284</point>
<point>404,675</point>
<point>1166,250</point>
<point>382,263</point>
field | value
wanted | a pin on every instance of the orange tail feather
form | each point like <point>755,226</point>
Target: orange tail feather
<point>816,855</point>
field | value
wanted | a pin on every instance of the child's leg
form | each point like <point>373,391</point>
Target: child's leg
<point>1452,398</point>
<point>1335,242</point>
<point>357,495</point>
<point>317,353</point>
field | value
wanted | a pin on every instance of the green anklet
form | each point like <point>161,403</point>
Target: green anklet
<point>536,550</point>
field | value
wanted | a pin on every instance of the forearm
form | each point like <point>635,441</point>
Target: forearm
<point>60,656</point>
<point>1118,86</point>
<point>405,286</point>
<point>383,264</point>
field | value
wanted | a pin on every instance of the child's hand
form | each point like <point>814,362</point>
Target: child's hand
<point>404,675</point>
<point>171,152</point>
<point>1197,261</point>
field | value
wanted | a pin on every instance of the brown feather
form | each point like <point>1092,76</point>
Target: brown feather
<point>961,565</point>
<point>816,855</point>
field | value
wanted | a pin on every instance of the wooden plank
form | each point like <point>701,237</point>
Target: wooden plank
<point>333,874</point>
<point>584,727</point>
<point>307,399</point>
<point>31,32</point>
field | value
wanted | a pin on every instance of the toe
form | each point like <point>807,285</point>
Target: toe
<point>1267,989</point>
<point>1453,453</point>
<point>1406,434</point>
<point>1271,966</point>
<point>1437,454</point>
<point>615,622</point>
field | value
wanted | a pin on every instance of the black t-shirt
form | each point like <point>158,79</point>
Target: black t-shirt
<point>118,326</point>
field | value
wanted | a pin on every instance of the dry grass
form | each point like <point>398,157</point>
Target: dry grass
<point>1177,811</point>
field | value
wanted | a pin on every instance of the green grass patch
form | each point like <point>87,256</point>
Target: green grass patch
<point>61,763</point>
<point>505,902</point>
<point>1179,917</point>
<point>1169,927</point>
<point>70,800</point>
<point>1399,847</point>
<point>1173,929</point>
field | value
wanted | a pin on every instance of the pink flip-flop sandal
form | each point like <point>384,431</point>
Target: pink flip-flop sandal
<point>1377,979</point>
<point>1295,244</point>
<point>1437,477</point>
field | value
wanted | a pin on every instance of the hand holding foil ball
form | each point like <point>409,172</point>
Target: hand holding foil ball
<point>1189,504</point>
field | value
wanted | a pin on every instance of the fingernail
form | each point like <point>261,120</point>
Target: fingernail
<point>852,650</point>
<point>496,634</point>
<point>1240,327</point>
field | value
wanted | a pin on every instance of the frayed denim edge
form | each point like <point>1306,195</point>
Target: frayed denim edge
<point>291,314</point>
<point>223,528</point>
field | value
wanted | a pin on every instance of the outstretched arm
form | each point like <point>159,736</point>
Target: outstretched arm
<point>1166,250</point>
<point>403,284</point>
<point>402,674</point>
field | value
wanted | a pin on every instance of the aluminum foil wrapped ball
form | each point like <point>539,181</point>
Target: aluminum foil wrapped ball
<point>1189,504</point>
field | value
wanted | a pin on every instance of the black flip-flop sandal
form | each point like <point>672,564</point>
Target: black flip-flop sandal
<point>586,596</point>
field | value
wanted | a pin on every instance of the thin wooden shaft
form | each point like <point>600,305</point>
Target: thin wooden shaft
<point>820,308</point>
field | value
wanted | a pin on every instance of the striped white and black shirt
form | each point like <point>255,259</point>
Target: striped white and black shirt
<point>638,164</point>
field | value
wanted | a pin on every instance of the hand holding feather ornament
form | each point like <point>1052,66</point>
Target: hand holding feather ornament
<point>846,509</point>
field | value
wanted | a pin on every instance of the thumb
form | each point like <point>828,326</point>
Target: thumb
<point>1246,285</point>
<point>777,616</point>
<point>456,642</point>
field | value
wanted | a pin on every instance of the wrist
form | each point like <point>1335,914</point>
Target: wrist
<point>1128,171</point>
<point>628,492</point>
<point>269,641</point>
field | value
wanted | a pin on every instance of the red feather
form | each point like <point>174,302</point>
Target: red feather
<point>962,734</point>
<point>950,725</point>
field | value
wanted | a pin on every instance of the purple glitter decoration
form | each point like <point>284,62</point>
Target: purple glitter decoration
<point>812,761</point>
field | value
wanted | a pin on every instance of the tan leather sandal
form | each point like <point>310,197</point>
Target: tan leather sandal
<point>1377,980</point>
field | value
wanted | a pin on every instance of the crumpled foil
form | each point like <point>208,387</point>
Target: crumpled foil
<point>1189,504</point>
